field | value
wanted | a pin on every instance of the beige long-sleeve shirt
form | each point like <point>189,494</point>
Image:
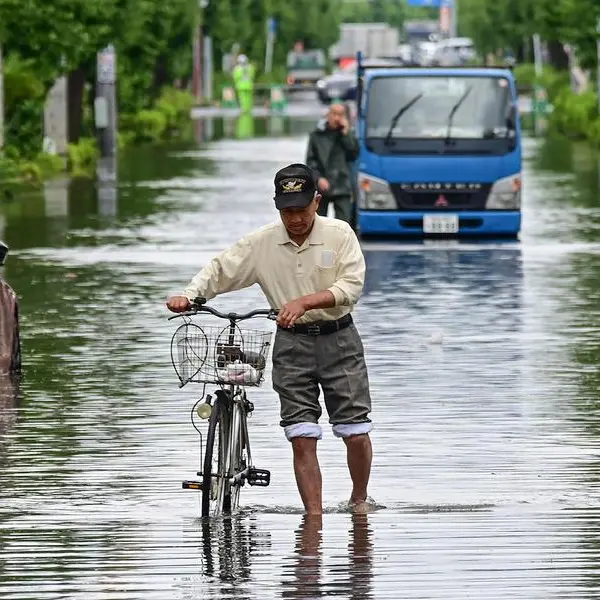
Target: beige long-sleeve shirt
<point>330,259</point>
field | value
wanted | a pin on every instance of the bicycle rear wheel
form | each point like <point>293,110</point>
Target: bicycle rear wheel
<point>216,497</point>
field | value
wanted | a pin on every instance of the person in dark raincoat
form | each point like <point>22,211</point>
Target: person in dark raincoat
<point>332,151</point>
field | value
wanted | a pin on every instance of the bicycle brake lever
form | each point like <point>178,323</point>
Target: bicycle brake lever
<point>188,313</point>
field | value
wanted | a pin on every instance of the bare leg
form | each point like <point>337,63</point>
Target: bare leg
<point>308,474</point>
<point>359,454</point>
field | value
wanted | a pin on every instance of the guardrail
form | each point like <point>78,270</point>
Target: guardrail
<point>286,87</point>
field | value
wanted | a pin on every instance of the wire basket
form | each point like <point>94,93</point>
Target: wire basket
<point>219,355</point>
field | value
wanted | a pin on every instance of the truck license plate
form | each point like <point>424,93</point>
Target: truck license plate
<point>440,223</point>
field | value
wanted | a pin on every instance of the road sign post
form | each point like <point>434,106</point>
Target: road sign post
<point>105,113</point>
<point>271,29</point>
<point>105,106</point>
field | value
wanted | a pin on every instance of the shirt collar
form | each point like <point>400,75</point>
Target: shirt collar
<point>315,237</point>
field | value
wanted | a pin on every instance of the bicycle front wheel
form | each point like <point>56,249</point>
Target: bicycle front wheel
<point>238,460</point>
<point>215,485</point>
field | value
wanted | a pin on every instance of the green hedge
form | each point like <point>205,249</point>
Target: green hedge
<point>168,117</point>
<point>554,81</point>
<point>576,115</point>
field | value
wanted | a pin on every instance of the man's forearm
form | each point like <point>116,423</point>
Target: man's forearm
<point>318,300</point>
<point>350,145</point>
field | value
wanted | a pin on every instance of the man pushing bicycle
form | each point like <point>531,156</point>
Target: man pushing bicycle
<point>311,269</point>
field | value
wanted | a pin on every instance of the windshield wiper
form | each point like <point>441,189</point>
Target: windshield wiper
<point>397,116</point>
<point>453,112</point>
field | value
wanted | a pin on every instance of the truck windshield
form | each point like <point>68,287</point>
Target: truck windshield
<point>306,60</point>
<point>482,115</point>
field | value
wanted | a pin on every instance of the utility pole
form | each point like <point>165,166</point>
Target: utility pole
<point>455,19</point>
<point>105,113</point>
<point>198,54</point>
<point>105,105</point>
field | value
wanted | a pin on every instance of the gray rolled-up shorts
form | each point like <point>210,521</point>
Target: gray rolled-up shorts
<point>336,363</point>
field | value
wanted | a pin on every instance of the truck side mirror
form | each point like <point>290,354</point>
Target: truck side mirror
<point>3,252</point>
<point>511,118</point>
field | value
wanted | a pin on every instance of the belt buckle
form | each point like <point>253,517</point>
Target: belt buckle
<point>312,329</point>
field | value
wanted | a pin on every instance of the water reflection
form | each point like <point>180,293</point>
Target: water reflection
<point>472,283</point>
<point>583,322</point>
<point>244,127</point>
<point>227,548</point>
<point>351,577</point>
<point>107,181</point>
<point>306,576</point>
<point>9,401</point>
<point>485,271</point>
<point>56,198</point>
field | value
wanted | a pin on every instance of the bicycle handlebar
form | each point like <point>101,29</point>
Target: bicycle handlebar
<point>199,305</point>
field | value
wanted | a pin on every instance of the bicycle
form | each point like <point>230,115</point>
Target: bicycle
<point>233,359</point>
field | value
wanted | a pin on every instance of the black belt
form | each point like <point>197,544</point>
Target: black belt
<point>320,327</point>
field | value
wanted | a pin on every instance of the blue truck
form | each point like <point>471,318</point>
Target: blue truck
<point>440,152</point>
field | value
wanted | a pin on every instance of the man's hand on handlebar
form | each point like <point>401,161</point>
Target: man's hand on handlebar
<point>178,304</point>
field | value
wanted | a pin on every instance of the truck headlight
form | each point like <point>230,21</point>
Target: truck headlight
<point>374,193</point>
<point>321,84</point>
<point>505,194</point>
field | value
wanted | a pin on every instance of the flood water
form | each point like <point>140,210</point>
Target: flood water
<point>486,444</point>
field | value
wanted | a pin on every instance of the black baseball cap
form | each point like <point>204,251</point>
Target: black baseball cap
<point>295,186</point>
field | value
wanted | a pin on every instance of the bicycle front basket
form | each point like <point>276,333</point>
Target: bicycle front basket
<point>220,355</point>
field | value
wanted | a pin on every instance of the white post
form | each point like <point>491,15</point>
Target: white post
<point>537,54</point>
<point>1,102</point>
<point>208,68</point>
<point>56,134</point>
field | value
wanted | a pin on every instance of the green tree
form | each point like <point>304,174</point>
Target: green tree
<point>375,11</point>
<point>497,24</point>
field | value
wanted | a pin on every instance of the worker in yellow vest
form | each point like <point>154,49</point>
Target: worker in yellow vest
<point>243,79</point>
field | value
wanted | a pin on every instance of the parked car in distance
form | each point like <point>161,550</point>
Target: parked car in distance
<point>342,83</point>
<point>453,52</point>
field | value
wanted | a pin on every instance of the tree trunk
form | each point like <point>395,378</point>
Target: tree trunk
<point>557,55</point>
<point>524,53</point>
<point>161,73</point>
<point>75,85</point>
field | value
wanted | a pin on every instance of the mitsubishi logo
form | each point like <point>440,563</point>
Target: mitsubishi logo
<point>442,202</point>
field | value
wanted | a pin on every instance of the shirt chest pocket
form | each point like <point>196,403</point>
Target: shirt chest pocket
<point>324,273</point>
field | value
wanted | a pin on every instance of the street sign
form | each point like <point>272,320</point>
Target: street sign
<point>433,3</point>
<point>272,25</point>
<point>106,65</point>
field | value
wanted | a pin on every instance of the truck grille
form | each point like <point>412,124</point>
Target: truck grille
<point>441,196</point>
